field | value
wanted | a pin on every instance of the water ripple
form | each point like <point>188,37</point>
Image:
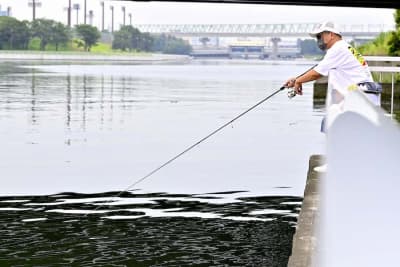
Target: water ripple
<point>158,229</point>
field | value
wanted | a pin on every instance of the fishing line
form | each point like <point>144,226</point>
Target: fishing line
<point>200,141</point>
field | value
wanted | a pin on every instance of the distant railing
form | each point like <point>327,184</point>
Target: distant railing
<point>290,29</point>
<point>382,65</point>
<point>392,71</point>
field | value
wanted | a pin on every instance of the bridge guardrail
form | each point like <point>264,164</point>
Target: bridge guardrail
<point>293,29</point>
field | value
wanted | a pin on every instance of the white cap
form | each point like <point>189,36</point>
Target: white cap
<point>327,26</point>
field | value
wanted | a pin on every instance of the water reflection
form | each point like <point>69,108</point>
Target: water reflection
<point>69,101</point>
<point>33,101</point>
<point>87,98</point>
<point>158,229</point>
<point>97,128</point>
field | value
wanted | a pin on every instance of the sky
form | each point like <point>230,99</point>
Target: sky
<point>200,13</point>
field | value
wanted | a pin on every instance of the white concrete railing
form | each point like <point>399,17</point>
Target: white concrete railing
<point>359,194</point>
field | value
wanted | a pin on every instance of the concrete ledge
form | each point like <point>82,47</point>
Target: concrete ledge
<point>151,58</point>
<point>304,240</point>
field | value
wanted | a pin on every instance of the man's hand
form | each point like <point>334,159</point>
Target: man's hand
<point>296,83</point>
<point>298,87</point>
<point>290,83</point>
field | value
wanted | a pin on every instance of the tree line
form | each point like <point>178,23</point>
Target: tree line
<point>394,40</point>
<point>129,38</point>
<point>15,34</point>
<point>387,43</point>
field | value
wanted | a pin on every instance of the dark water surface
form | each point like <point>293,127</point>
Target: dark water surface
<point>92,130</point>
<point>146,230</point>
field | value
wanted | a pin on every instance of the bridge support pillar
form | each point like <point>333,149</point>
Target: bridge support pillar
<point>275,41</point>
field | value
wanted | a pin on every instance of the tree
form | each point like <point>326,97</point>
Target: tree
<point>177,46</point>
<point>397,18</point>
<point>309,47</point>
<point>43,29</point>
<point>394,44</point>
<point>377,47</point>
<point>394,41</point>
<point>89,34</point>
<point>22,35</point>
<point>14,34</point>
<point>170,45</point>
<point>127,37</point>
<point>130,38</point>
<point>122,39</point>
<point>61,34</point>
<point>146,41</point>
<point>135,38</point>
<point>159,42</point>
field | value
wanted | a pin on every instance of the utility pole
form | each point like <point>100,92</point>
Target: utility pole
<point>112,19</point>
<point>77,7</point>
<point>34,4</point>
<point>123,11</point>
<point>102,16</point>
<point>9,11</point>
<point>130,18</point>
<point>84,12</point>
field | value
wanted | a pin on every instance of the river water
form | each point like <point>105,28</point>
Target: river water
<point>73,136</point>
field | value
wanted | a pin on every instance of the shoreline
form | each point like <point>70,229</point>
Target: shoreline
<point>76,56</point>
<point>30,55</point>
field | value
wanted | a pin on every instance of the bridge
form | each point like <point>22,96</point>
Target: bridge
<point>259,30</point>
<point>274,32</point>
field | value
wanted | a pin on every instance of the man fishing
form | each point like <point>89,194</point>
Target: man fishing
<point>345,67</point>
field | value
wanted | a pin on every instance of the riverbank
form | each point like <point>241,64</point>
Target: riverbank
<point>95,57</point>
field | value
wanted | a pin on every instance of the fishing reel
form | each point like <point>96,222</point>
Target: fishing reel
<point>291,92</point>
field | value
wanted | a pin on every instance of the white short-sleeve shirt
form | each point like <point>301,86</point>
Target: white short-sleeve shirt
<point>345,67</point>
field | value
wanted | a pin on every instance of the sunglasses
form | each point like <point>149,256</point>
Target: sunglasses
<point>319,35</point>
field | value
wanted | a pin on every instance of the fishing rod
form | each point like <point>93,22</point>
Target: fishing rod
<point>290,95</point>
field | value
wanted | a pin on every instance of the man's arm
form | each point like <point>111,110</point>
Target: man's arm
<point>309,76</point>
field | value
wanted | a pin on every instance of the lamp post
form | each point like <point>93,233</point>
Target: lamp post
<point>91,17</point>
<point>77,7</point>
<point>123,11</point>
<point>84,12</point>
<point>34,4</point>
<point>69,14</point>
<point>102,16</point>
<point>130,18</point>
<point>112,19</point>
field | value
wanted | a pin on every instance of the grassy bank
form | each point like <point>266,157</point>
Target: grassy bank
<point>74,47</point>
